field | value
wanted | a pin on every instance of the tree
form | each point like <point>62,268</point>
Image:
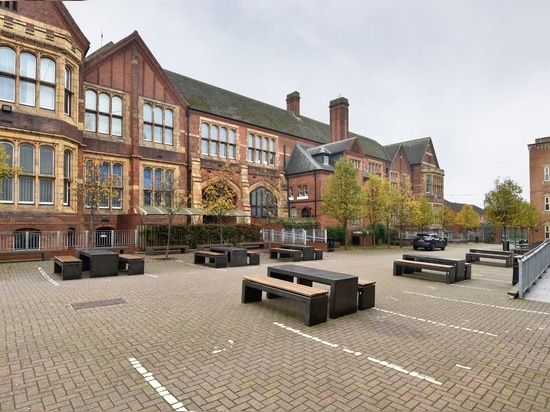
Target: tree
<point>423,214</point>
<point>503,204</point>
<point>344,198</point>
<point>468,218</point>
<point>403,207</point>
<point>168,195</point>
<point>217,196</point>
<point>99,187</point>
<point>6,170</point>
<point>528,218</point>
<point>378,201</point>
<point>446,217</point>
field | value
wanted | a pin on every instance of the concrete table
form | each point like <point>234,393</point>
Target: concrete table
<point>343,287</point>
<point>236,256</point>
<point>99,262</point>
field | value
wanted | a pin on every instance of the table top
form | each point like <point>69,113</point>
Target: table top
<point>292,246</point>
<point>431,258</point>
<point>226,248</point>
<point>96,252</point>
<point>310,273</point>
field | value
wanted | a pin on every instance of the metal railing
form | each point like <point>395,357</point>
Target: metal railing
<point>297,236</point>
<point>60,240</point>
<point>531,266</point>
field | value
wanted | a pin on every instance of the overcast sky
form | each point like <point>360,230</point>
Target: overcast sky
<point>474,75</point>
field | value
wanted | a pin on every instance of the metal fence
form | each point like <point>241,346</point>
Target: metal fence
<point>60,240</point>
<point>297,236</point>
<point>531,266</point>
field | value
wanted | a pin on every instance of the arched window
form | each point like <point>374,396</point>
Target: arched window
<point>158,124</point>
<point>103,113</point>
<point>67,161</point>
<point>263,203</point>
<point>6,185</point>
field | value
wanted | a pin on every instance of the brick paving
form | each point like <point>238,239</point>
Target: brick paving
<point>178,338</point>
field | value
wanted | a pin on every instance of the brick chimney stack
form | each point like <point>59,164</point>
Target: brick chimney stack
<point>339,124</point>
<point>293,103</point>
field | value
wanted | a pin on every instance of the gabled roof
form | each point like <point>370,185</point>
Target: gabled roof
<point>301,161</point>
<point>107,52</point>
<point>458,207</point>
<point>416,149</point>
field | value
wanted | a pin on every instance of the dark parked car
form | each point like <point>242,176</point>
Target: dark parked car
<point>430,241</point>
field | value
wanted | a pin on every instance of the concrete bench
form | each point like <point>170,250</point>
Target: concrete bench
<point>366,294</point>
<point>151,250</point>
<point>472,257</point>
<point>315,300</point>
<point>208,246</point>
<point>134,263</point>
<point>318,253</point>
<point>280,253</point>
<point>253,257</point>
<point>217,258</point>
<point>70,267</point>
<point>24,254</point>
<point>402,266</point>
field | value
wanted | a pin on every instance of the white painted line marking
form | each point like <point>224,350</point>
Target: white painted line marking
<point>477,303</point>
<point>48,278</point>
<point>435,323</point>
<point>463,367</point>
<point>153,276</point>
<point>161,390</point>
<point>355,353</point>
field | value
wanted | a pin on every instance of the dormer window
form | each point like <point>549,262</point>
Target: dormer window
<point>325,160</point>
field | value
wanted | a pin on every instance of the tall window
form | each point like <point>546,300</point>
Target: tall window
<point>103,113</point>
<point>67,160</point>
<point>68,101</point>
<point>113,173</point>
<point>547,204</point>
<point>547,232</point>
<point>46,179</point>
<point>158,124</point>
<point>219,141</point>
<point>26,178</point>
<point>7,74</point>
<point>428,183</point>
<point>261,149</point>
<point>263,203</point>
<point>546,173</point>
<point>6,185</point>
<point>157,186</point>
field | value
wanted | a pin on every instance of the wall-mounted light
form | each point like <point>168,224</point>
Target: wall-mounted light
<point>6,108</point>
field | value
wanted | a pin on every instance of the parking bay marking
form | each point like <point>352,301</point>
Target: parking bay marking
<point>355,353</point>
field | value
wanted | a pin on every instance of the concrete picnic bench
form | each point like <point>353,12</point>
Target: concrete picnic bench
<point>315,300</point>
<point>134,263</point>
<point>408,267</point>
<point>463,269</point>
<point>151,250</point>
<point>218,259</point>
<point>474,255</point>
<point>70,267</point>
<point>281,253</point>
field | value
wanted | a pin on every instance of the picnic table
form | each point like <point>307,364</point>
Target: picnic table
<point>343,287</point>
<point>461,269</point>
<point>308,252</point>
<point>100,262</point>
<point>236,256</point>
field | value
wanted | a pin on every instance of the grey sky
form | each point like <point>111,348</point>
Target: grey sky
<point>473,75</point>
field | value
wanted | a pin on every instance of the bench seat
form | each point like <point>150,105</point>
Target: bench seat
<point>315,299</point>
<point>318,254</point>
<point>135,263</point>
<point>70,267</point>
<point>219,259</point>
<point>476,256</point>
<point>402,266</point>
<point>366,294</point>
<point>253,257</point>
<point>151,250</point>
<point>280,253</point>
<point>250,245</point>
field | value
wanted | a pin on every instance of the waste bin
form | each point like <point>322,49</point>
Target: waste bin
<point>506,245</point>
<point>515,272</point>
<point>330,244</point>
<point>477,239</point>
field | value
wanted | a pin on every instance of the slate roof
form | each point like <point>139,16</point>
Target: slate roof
<point>301,160</point>
<point>415,149</point>
<point>211,99</point>
<point>458,207</point>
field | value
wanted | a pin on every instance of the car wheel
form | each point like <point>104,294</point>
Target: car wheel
<point>432,247</point>
<point>443,247</point>
<point>415,247</point>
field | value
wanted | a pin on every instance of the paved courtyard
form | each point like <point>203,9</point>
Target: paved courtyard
<point>178,338</point>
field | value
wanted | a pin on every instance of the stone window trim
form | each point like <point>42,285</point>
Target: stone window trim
<point>158,123</point>
<point>104,112</point>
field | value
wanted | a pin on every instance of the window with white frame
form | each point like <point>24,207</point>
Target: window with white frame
<point>547,231</point>
<point>33,73</point>
<point>158,124</point>
<point>299,191</point>
<point>29,179</point>
<point>428,182</point>
<point>546,173</point>
<point>547,204</point>
<point>291,193</point>
<point>261,149</point>
<point>218,141</point>
<point>305,191</point>
<point>157,186</point>
<point>357,164</point>
<point>103,113</point>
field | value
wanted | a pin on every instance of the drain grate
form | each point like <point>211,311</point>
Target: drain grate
<point>97,303</point>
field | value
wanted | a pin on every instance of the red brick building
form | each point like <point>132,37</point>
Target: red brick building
<point>539,182</point>
<point>62,108</point>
